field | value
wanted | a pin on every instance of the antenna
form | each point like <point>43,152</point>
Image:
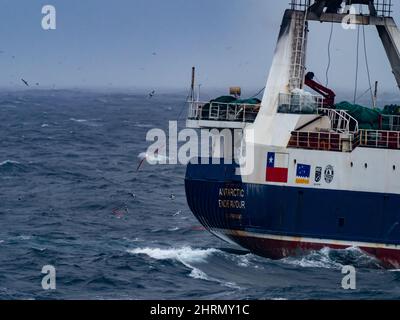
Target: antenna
<point>198,92</point>
<point>192,84</point>
<point>375,95</point>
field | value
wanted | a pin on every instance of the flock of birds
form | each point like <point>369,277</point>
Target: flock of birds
<point>27,83</point>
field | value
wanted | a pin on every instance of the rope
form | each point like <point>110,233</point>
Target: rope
<point>363,94</point>
<point>183,107</point>
<point>357,65</point>
<point>329,57</point>
<point>367,66</point>
<point>258,93</point>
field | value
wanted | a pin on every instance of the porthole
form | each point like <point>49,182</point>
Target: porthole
<point>352,164</point>
<point>366,165</point>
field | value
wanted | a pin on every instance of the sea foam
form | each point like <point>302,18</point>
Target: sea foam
<point>185,254</point>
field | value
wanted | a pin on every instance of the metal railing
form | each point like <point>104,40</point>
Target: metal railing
<point>380,139</point>
<point>324,141</point>
<point>341,121</point>
<point>300,4</point>
<point>384,8</point>
<point>390,123</point>
<point>299,103</point>
<point>293,103</point>
<point>217,111</point>
<point>345,142</point>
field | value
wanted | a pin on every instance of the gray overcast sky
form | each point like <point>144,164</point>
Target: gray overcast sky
<point>154,43</point>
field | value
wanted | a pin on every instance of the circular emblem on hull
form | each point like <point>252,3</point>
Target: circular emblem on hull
<point>329,174</point>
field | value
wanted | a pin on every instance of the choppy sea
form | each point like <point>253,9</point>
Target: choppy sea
<point>70,197</point>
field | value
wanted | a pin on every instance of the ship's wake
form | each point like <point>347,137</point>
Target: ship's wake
<point>202,263</point>
<point>190,258</point>
<point>334,259</point>
<point>244,275</point>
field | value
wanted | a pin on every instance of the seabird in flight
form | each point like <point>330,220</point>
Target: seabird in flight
<point>151,94</point>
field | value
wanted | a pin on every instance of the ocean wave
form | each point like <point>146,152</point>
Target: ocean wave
<point>355,256</point>
<point>315,259</point>
<point>8,105</point>
<point>78,120</point>
<point>143,125</point>
<point>132,240</point>
<point>173,229</point>
<point>185,254</point>
<point>90,122</point>
<point>24,237</point>
<point>244,259</point>
<point>328,258</point>
<point>11,166</point>
<point>196,273</point>
<point>8,162</point>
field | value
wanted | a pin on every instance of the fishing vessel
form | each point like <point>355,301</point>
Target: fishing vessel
<point>322,174</point>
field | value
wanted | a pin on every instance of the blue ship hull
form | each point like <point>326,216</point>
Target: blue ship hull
<point>275,221</point>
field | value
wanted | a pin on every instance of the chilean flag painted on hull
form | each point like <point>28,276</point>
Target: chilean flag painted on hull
<point>277,167</point>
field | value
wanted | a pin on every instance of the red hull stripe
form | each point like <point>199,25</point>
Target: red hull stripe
<point>278,247</point>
